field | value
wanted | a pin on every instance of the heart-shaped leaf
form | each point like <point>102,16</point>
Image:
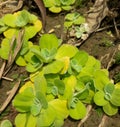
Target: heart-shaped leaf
<point>6,123</point>
<point>110,109</point>
<point>66,51</point>
<point>79,111</point>
<point>48,41</point>
<point>99,98</point>
<point>53,68</point>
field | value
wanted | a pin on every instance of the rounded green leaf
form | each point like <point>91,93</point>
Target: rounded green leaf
<point>67,8</point>
<point>9,33</point>
<point>67,2</point>
<point>115,99</point>
<point>32,18</point>
<point>66,50</point>
<point>55,9</point>
<point>72,16</point>
<point>3,28</point>
<point>25,120</point>
<point>53,67</point>
<point>110,109</point>
<point>31,121</point>
<point>9,20</point>
<point>48,41</point>
<point>101,79</point>
<point>46,117</point>
<point>58,122</point>
<point>49,3</point>
<point>20,120</point>
<point>30,32</point>
<point>81,95</point>
<point>22,18</point>
<point>99,98</point>
<point>70,83</point>
<point>78,112</point>
<point>5,48</point>
<point>1,22</point>
<point>28,56</point>
<point>33,67</point>
<point>21,61</point>
<point>68,24</point>
<point>60,86</point>
<point>81,57</point>
<point>24,100</point>
<point>109,88</point>
<point>60,107</point>
<point>6,123</point>
<point>79,20</point>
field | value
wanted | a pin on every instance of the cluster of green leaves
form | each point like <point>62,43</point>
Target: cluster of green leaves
<point>74,23</point>
<point>63,80</point>
<point>57,6</point>
<point>11,24</point>
<point>108,98</point>
<point>73,19</point>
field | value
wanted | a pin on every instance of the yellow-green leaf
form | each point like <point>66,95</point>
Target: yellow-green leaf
<point>66,50</point>
<point>78,112</point>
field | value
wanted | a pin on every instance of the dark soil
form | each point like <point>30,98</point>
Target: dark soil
<point>95,45</point>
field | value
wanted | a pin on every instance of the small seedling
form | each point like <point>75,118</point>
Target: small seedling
<point>117,57</point>
<point>57,6</point>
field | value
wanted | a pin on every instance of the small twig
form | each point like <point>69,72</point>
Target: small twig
<point>2,69</point>
<point>9,98</point>
<point>6,2</point>
<point>106,56</point>
<point>8,79</point>
<point>31,76</point>
<point>11,57</point>
<point>111,59</point>
<point>107,27</point>
<point>103,121</point>
<point>19,6</point>
<point>117,32</point>
<point>89,108</point>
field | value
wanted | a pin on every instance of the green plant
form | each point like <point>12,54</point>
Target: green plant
<point>107,42</point>
<point>10,28</point>
<point>63,79</point>
<point>66,81</point>
<point>57,6</point>
<point>74,23</point>
<point>73,19</point>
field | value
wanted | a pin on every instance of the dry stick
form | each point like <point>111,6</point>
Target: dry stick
<point>8,79</point>
<point>9,98</point>
<point>111,60</point>
<point>106,27</point>
<point>12,57</point>
<point>6,2</point>
<point>103,121</point>
<point>1,72</point>
<point>117,32</point>
<point>89,108</point>
<point>2,69</point>
<point>19,6</point>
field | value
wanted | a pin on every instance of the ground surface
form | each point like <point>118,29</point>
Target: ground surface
<point>95,45</point>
